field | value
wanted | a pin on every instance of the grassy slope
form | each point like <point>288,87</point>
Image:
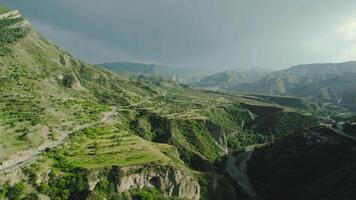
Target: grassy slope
<point>100,147</point>
<point>34,100</point>
<point>3,9</point>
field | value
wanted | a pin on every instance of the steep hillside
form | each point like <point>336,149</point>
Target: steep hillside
<point>228,79</point>
<point>70,130</point>
<point>42,86</point>
<point>316,164</point>
<point>3,9</point>
<point>332,82</point>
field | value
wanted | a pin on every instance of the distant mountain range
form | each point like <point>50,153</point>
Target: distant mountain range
<point>184,75</point>
<point>229,79</point>
<point>329,82</point>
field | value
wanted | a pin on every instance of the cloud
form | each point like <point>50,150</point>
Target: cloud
<point>198,33</point>
<point>85,47</point>
<point>338,44</point>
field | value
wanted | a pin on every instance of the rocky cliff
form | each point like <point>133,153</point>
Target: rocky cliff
<point>171,181</point>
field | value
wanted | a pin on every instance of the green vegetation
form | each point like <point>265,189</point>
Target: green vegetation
<point>84,111</point>
<point>149,194</point>
<point>279,124</point>
<point>19,109</point>
<point>19,117</point>
<point>100,147</point>
<point>218,187</point>
<point>49,97</point>
<point>3,9</point>
<point>16,192</point>
<point>9,35</point>
<point>106,188</point>
<point>71,185</point>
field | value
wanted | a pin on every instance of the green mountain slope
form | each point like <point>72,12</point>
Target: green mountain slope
<point>332,82</point>
<point>3,9</point>
<point>70,130</point>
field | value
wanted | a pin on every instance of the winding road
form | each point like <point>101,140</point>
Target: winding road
<point>236,167</point>
<point>32,154</point>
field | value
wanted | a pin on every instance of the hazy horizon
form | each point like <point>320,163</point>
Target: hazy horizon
<point>208,34</point>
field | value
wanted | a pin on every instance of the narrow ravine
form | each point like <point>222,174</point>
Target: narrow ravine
<point>236,167</point>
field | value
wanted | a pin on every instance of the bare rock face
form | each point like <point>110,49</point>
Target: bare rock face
<point>171,181</point>
<point>11,15</point>
<point>93,179</point>
<point>218,135</point>
<point>11,177</point>
<point>69,80</point>
<point>14,14</point>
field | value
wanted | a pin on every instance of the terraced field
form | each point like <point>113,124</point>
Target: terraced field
<point>100,147</point>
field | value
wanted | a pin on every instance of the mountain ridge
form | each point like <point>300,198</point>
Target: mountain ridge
<point>183,75</point>
<point>328,82</point>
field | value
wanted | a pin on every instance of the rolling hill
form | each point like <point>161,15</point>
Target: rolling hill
<point>331,82</point>
<point>226,80</point>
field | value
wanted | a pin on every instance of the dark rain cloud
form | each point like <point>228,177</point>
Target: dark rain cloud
<point>198,33</point>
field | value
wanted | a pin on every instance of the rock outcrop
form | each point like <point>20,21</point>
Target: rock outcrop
<point>15,14</point>
<point>171,181</point>
<point>11,14</point>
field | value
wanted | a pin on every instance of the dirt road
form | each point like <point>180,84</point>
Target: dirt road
<point>32,154</point>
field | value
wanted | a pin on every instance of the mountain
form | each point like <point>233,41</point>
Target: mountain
<point>315,164</point>
<point>71,130</point>
<point>226,80</point>
<point>136,68</point>
<point>184,75</point>
<point>331,82</point>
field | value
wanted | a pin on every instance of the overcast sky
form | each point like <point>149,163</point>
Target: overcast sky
<point>198,33</point>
